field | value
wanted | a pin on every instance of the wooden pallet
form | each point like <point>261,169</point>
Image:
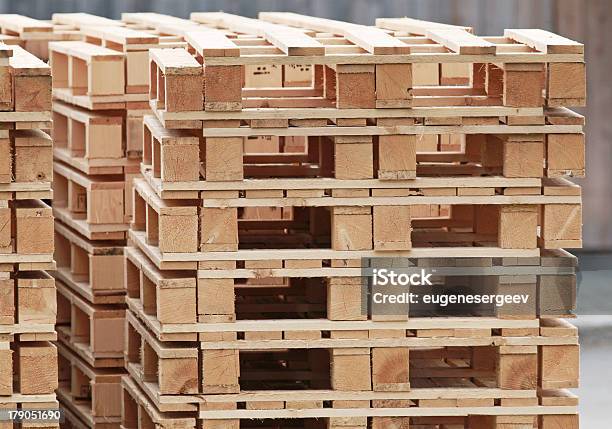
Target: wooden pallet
<point>114,50</point>
<point>87,86</point>
<point>92,142</point>
<point>33,35</point>
<point>513,70</point>
<point>349,361</point>
<point>92,331</point>
<point>95,206</point>
<point>140,412</point>
<point>181,157</point>
<point>355,225</point>
<point>184,302</point>
<point>94,395</point>
<point>171,30</point>
<point>92,269</point>
<point>135,44</point>
<point>28,368</point>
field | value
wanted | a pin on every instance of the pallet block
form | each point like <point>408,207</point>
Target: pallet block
<point>176,80</point>
<point>35,365</point>
<point>32,156</point>
<point>26,157</point>
<point>566,84</point>
<point>565,155</point>
<point>353,158</point>
<point>169,297</point>
<point>561,225</point>
<point>31,83</point>
<point>27,298</point>
<point>36,298</point>
<point>523,85</point>
<point>33,226</point>
<point>173,371</point>
<point>171,228</point>
<point>394,83</point>
<point>138,412</point>
<point>6,375</point>
<point>174,155</point>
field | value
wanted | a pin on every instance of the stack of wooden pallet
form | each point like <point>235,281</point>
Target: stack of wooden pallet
<point>100,90</point>
<point>409,139</point>
<point>33,35</point>
<point>28,360</point>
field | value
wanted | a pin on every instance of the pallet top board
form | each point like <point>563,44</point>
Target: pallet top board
<point>10,40</point>
<point>549,187</point>
<point>175,61</point>
<point>425,411</point>
<point>101,102</point>
<point>161,23</point>
<point>211,43</point>
<point>166,118</point>
<point>545,41</point>
<point>189,261</point>
<point>552,116</point>
<point>27,328</point>
<point>25,64</point>
<point>168,136</point>
<point>6,52</point>
<point>83,20</point>
<point>277,38</point>
<point>461,41</point>
<point>372,39</point>
<point>27,28</point>
<point>85,51</point>
<point>417,27</point>
<point>551,332</point>
<point>291,41</point>
<point>121,35</point>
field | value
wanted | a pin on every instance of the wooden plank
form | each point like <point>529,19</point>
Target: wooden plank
<point>545,41</point>
<point>416,26</point>
<point>212,43</point>
<point>461,41</point>
<point>372,39</point>
<point>81,19</point>
<point>23,25</point>
<point>175,61</point>
<point>121,35</point>
<point>290,40</point>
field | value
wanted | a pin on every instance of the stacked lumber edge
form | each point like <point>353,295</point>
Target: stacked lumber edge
<point>28,358</point>
<point>252,166</point>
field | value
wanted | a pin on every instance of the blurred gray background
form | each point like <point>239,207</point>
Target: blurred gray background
<point>587,21</point>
